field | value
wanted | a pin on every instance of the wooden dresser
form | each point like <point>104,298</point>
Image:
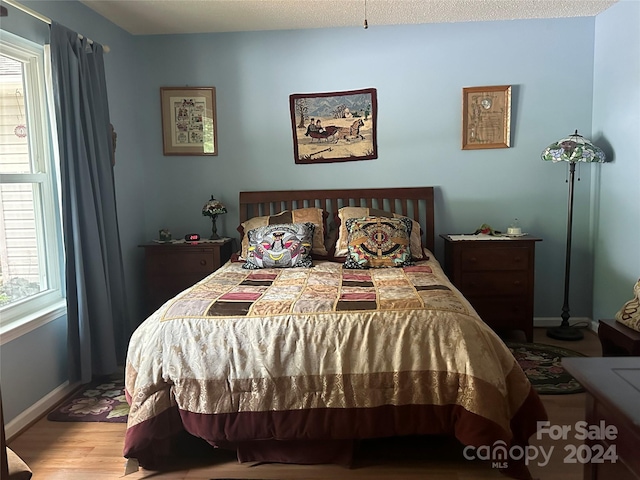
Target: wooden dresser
<point>613,401</point>
<point>172,267</point>
<point>497,277</point>
<point>618,340</point>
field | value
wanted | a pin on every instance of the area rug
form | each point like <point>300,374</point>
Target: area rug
<point>102,400</point>
<point>542,365</point>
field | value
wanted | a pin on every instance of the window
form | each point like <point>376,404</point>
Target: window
<point>30,235</point>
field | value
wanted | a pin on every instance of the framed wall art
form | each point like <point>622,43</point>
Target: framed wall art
<point>189,120</point>
<point>486,117</point>
<point>335,126</point>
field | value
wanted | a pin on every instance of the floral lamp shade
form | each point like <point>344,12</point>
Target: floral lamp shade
<point>212,209</point>
<point>574,148</point>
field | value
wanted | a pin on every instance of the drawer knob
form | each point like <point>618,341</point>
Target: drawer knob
<point>517,282</point>
<point>473,259</point>
<point>203,262</point>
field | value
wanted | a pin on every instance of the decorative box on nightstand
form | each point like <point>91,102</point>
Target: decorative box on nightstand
<point>172,267</point>
<point>496,276</point>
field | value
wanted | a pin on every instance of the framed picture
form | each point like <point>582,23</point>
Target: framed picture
<point>486,117</point>
<point>334,127</point>
<point>189,120</point>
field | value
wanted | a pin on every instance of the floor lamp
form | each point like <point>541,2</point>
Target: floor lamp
<point>573,149</point>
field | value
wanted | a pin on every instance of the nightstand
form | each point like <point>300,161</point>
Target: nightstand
<point>618,340</point>
<point>497,277</point>
<point>172,267</point>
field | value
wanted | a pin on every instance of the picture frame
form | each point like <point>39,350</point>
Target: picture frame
<point>189,123</point>
<point>344,126</point>
<point>486,117</point>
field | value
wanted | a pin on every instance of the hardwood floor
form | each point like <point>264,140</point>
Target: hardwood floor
<point>93,451</point>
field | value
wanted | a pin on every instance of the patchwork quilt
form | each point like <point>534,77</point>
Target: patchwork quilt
<point>322,289</point>
<point>321,353</point>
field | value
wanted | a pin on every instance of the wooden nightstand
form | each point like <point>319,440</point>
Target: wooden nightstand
<point>497,277</point>
<point>172,267</point>
<point>618,340</point>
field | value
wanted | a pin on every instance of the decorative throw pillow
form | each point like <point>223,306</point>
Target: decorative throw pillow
<point>629,314</point>
<point>317,216</point>
<point>376,242</point>
<point>280,246</point>
<point>358,212</point>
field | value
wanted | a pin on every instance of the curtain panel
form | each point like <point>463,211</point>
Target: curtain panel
<point>98,327</point>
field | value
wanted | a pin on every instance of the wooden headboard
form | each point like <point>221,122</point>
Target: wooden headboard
<point>413,202</point>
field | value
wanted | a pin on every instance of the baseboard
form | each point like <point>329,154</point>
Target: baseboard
<point>39,409</point>
<point>545,322</point>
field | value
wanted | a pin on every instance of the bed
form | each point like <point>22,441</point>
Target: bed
<point>297,365</point>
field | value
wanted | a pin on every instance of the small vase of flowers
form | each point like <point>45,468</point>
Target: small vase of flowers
<point>212,209</point>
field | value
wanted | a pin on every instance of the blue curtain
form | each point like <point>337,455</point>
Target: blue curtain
<point>98,327</point>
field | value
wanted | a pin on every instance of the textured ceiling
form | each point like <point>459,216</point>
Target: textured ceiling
<point>148,17</point>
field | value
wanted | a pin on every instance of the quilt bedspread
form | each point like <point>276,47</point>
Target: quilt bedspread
<point>282,353</point>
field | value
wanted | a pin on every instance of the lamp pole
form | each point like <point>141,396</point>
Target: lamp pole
<point>566,331</point>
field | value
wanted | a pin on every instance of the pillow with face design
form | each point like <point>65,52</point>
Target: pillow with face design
<point>280,246</point>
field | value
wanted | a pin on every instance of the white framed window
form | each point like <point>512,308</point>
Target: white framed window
<point>31,250</point>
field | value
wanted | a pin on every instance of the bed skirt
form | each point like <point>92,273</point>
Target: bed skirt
<point>302,448</point>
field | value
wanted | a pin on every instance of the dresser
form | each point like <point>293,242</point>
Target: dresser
<point>613,402</point>
<point>172,267</point>
<point>497,277</point>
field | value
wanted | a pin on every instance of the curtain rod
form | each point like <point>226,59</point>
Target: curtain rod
<point>44,19</point>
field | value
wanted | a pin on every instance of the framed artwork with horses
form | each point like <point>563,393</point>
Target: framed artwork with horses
<point>334,126</point>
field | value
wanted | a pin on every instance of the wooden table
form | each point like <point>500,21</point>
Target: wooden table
<point>613,397</point>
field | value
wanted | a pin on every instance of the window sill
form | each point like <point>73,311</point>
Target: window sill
<point>30,322</point>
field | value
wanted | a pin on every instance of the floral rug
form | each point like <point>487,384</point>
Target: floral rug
<point>100,401</point>
<point>542,365</point>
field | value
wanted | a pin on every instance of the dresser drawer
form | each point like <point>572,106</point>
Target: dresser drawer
<point>170,268</point>
<point>165,263</point>
<point>161,288</point>
<point>501,312</point>
<point>492,283</point>
<point>475,258</point>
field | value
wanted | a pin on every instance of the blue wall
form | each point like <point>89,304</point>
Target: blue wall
<point>616,121</point>
<point>419,72</point>
<point>32,366</point>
